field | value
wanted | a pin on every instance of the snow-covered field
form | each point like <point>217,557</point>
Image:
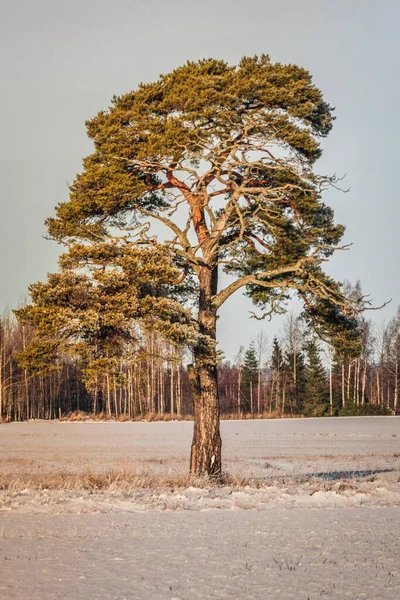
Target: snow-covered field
<point>312,510</point>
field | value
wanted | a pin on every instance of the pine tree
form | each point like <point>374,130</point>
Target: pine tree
<point>234,147</point>
<point>316,400</point>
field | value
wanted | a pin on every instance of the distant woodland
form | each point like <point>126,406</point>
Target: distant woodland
<point>292,374</point>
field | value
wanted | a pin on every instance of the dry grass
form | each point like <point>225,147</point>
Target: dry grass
<point>148,417</point>
<point>80,416</point>
<point>264,415</point>
<point>152,417</point>
<point>129,483</point>
<point>109,481</point>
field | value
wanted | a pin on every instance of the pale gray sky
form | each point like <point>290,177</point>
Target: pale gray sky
<point>61,62</point>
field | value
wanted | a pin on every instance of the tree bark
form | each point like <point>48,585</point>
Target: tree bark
<point>205,459</point>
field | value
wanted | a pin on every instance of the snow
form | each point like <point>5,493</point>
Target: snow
<point>316,516</point>
<point>299,554</point>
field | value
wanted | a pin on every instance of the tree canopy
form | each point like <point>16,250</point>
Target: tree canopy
<point>237,144</point>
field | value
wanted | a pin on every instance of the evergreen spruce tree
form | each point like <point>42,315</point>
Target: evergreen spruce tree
<point>250,375</point>
<point>277,360</point>
<point>315,393</point>
<point>222,159</point>
<point>278,367</point>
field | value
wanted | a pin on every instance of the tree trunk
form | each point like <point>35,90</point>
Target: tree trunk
<point>396,376</point>
<point>378,392</point>
<point>171,381</point>
<point>179,393</point>
<point>357,386</point>
<point>364,383</point>
<point>343,388</point>
<point>205,456</point>
<point>330,382</point>
<point>348,382</point>
<point>239,386</point>
<point>1,370</point>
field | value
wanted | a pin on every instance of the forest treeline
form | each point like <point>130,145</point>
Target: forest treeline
<point>295,373</point>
